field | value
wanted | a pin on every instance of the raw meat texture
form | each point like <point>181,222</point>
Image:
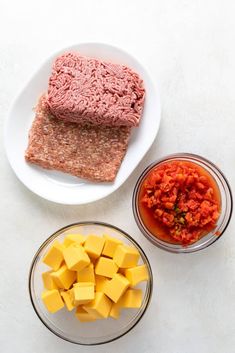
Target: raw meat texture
<point>90,152</point>
<point>86,90</point>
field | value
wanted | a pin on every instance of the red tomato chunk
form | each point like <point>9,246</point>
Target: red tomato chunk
<point>183,200</point>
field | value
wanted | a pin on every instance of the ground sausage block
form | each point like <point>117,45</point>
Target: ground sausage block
<point>90,152</point>
<point>86,90</point>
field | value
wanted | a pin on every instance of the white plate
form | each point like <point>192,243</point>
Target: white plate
<point>60,187</point>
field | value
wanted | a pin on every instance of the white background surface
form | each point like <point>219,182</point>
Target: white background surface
<point>188,47</point>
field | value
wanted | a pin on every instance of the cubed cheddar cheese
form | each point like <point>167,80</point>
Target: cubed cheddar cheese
<point>126,256</point>
<point>83,292</point>
<point>110,245</point>
<point>83,316</point>
<point>115,287</point>
<point>105,267</point>
<point>100,307</point>
<point>54,256</point>
<point>100,282</point>
<point>68,299</point>
<point>94,245</point>
<point>87,274</point>
<point>52,300</point>
<point>73,238</point>
<point>132,298</point>
<point>48,280</point>
<point>92,274</point>
<point>64,278</point>
<point>137,274</point>
<point>115,311</point>
<point>75,257</point>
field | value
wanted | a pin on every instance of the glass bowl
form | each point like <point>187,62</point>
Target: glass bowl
<point>226,204</point>
<point>63,323</point>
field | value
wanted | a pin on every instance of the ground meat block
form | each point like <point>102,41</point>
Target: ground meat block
<point>89,152</point>
<point>86,90</point>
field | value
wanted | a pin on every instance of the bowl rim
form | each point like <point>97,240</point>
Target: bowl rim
<point>195,158</point>
<point>53,236</point>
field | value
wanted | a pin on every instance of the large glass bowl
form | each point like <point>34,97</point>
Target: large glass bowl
<point>226,204</point>
<point>63,323</point>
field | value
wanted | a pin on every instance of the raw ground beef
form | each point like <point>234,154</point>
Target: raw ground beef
<point>86,90</point>
<point>89,152</point>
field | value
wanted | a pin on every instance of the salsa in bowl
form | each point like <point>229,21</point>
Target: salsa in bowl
<point>182,203</point>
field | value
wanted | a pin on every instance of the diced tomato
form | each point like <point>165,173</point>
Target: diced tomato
<point>189,180</point>
<point>158,212</point>
<point>169,205</point>
<point>192,204</point>
<point>183,201</point>
<point>200,186</point>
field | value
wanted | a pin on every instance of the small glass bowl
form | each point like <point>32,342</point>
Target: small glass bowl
<point>63,323</point>
<point>226,204</point>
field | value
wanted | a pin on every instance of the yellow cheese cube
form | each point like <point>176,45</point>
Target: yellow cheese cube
<point>94,245</point>
<point>54,256</point>
<point>74,238</point>
<point>83,292</point>
<point>52,300</point>
<point>126,256</point>
<point>87,274</point>
<point>115,311</point>
<point>83,316</point>
<point>115,288</point>
<point>110,245</point>
<point>75,257</point>
<point>48,280</point>
<point>64,278</point>
<point>137,274</point>
<point>105,267</point>
<point>100,282</point>
<point>68,299</point>
<point>132,298</point>
<point>100,307</point>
